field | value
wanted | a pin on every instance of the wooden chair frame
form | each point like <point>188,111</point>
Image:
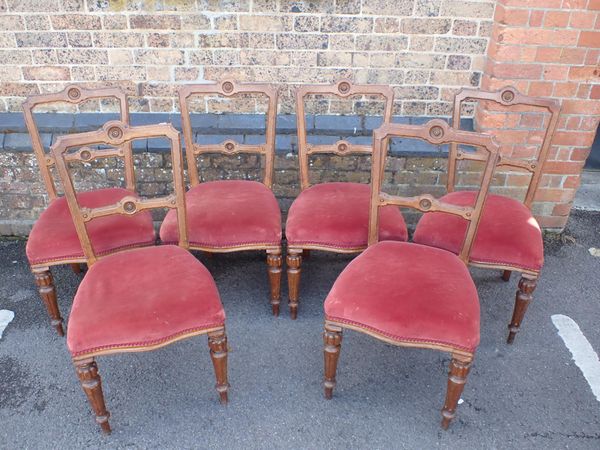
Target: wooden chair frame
<point>343,89</point>
<point>509,96</point>
<point>229,88</point>
<point>73,94</point>
<point>119,134</point>
<point>435,132</point>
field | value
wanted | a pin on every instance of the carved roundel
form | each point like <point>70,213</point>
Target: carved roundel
<point>436,132</point>
<point>86,155</point>
<point>507,96</point>
<point>342,147</point>
<point>129,207</point>
<point>425,203</point>
<point>344,87</point>
<point>229,146</point>
<point>227,87</point>
<point>74,93</point>
<point>115,133</point>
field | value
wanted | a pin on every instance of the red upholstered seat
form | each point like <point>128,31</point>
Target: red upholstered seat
<point>336,215</point>
<point>54,239</point>
<point>409,293</point>
<point>142,297</point>
<point>228,213</point>
<point>507,235</point>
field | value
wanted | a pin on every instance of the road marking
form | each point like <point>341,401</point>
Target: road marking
<point>6,317</point>
<point>583,354</point>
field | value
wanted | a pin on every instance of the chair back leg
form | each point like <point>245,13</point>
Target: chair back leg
<point>527,285</point>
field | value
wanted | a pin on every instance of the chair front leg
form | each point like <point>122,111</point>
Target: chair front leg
<point>332,340</point>
<point>274,262</point>
<point>217,342</point>
<point>527,285</point>
<point>457,377</point>
<point>293,260</point>
<point>87,371</point>
<point>45,284</point>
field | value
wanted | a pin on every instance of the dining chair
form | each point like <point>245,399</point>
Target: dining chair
<point>509,237</point>
<point>408,294</point>
<point>232,215</point>
<point>138,299</point>
<point>53,239</point>
<point>333,216</point>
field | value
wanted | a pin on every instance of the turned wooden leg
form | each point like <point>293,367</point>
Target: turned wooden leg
<point>45,284</point>
<point>87,371</point>
<point>217,342</point>
<point>293,260</point>
<point>527,285</point>
<point>506,275</point>
<point>457,377</point>
<point>332,339</point>
<point>76,268</point>
<point>274,261</point>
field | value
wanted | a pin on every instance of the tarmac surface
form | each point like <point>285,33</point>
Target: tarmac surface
<point>528,395</point>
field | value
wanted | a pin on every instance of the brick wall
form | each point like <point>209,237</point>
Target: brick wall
<point>425,49</point>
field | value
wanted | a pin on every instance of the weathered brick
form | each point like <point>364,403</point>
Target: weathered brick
<point>42,39</point>
<point>425,26</point>
<point>467,9</point>
<point>381,43</point>
<point>114,22</point>
<point>46,73</point>
<point>82,56</point>
<point>79,39</point>
<point>195,22</point>
<point>159,57</point>
<point>458,62</point>
<point>387,25</point>
<point>11,22</point>
<point>155,21</point>
<point>387,8</point>
<point>226,22</point>
<point>265,23</point>
<point>336,24</point>
<point>76,22</point>
<point>460,45</point>
<point>33,5</point>
<point>16,57</point>
<point>305,41</point>
<point>118,40</point>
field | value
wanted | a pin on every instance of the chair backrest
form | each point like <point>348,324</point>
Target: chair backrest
<point>229,88</point>
<point>342,89</point>
<point>73,94</point>
<point>507,96</point>
<point>435,132</point>
<point>117,135</point>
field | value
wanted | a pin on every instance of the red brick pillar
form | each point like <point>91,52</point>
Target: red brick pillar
<point>549,48</point>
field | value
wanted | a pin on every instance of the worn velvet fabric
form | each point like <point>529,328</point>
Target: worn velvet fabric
<point>336,215</point>
<point>227,213</point>
<point>508,234</point>
<point>142,297</point>
<point>54,238</point>
<point>409,293</point>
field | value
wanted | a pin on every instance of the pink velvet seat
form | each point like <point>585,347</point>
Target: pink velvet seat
<point>408,293</point>
<point>141,298</point>
<point>228,214</point>
<point>53,238</point>
<point>336,215</point>
<point>508,234</point>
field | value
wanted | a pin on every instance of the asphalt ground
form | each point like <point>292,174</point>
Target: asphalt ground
<point>528,395</point>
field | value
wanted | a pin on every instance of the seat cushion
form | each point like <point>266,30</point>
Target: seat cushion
<point>336,215</point>
<point>409,293</point>
<point>508,234</point>
<point>142,297</point>
<point>228,213</point>
<point>54,239</point>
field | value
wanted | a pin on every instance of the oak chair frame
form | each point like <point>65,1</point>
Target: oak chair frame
<point>229,88</point>
<point>117,134</point>
<point>72,94</point>
<point>435,132</point>
<point>343,89</point>
<point>509,96</point>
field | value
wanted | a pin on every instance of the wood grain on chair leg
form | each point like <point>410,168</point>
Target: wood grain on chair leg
<point>87,371</point>
<point>506,275</point>
<point>76,268</point>
<point>274,261</point>
<point>457,377</point>
<point>332,340</point>
<point>217,342</point>
<point>45,284</point>
<point>527,285</point>
<point>294,260</point>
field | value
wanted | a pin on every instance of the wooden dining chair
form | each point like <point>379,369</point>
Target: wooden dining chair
<point>333,216</point>
<point>137,299</point>
<point>232,215</point>
<point>53,239</point>
<point>408,294</point>
<point>509,237</point>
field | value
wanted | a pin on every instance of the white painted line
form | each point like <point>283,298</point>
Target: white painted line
<point>6,317</point>
<point>583,354</point>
